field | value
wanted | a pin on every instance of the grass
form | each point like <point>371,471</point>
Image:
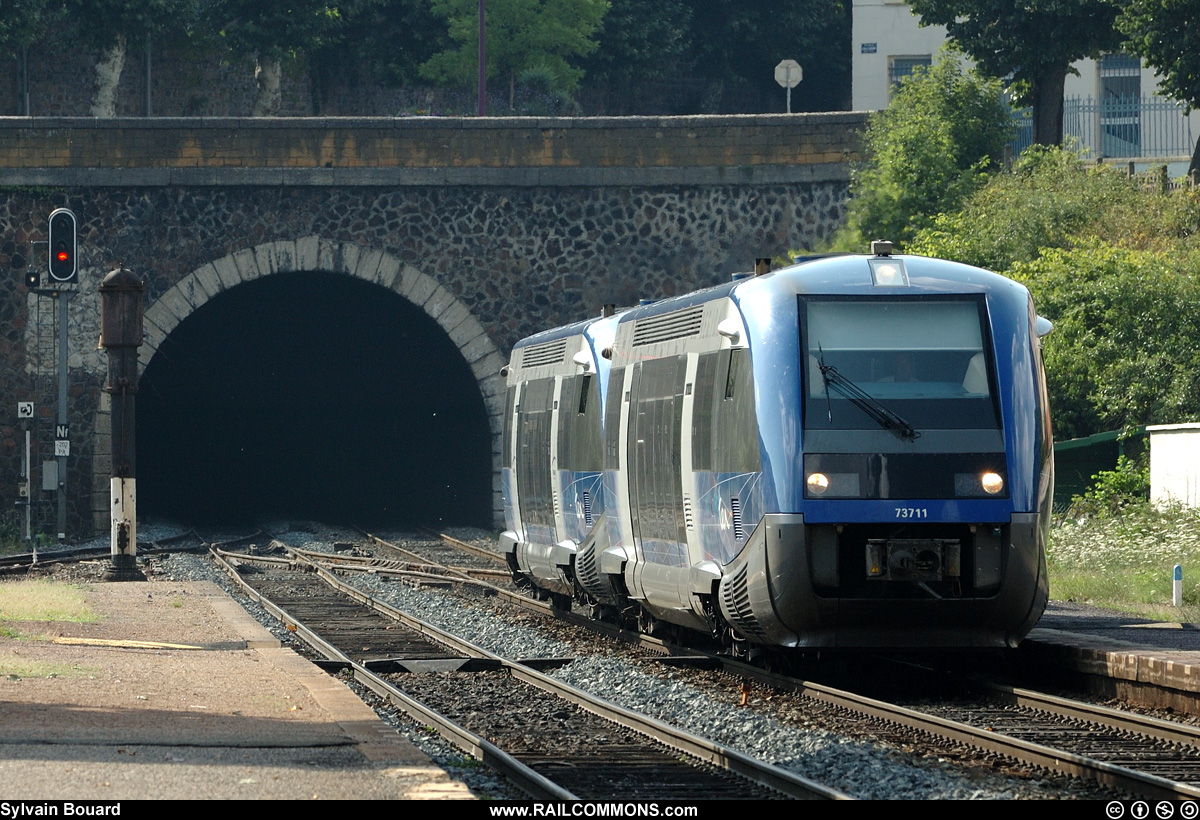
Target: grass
<point>14,667</point>
<point>1125,560</point>
<point>38,601</point>
<point>43,601</point>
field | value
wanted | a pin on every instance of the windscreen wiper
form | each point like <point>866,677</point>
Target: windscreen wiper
<point>864,401</point>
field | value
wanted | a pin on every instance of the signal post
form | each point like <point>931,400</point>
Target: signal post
<point>121,334</point>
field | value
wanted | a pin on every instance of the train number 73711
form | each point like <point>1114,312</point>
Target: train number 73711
<point>912,512</point>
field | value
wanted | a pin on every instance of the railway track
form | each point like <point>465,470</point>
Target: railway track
<point>1129,753</point>
<point>590,749</point>
<point>188,541</point>
<point>1117,749</point>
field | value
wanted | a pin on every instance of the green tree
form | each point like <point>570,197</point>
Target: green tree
<point>275,30</point>
<point>392,37</point>
<point>113,26</point>
<point>521,34</point>
<point>1123,352</point>
<point>1033,40</point>
<point>735,46</point>
<point>23,23</point>
<point>1166,34</point>
<point>638,41</point>
<point>1053,199</point>
<point>945,128</point>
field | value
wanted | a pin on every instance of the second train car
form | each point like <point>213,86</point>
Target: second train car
<point>853,452</point>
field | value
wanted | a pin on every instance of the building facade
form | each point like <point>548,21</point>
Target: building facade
<point>1112,108</point>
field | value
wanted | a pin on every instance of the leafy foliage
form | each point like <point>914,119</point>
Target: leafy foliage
<point>639,40</point>
<point>1166,33</point>
<point>1033,40</point>
<point>24,22</point>
<point>934,144</point>
<point>392,37</point>
<point>1114,490</point>
<point>1124,349</point>
<point>1053,199</point>
<point>97,24</point>
<point>735,46</point>
<point>278,29</point>
<point>521,34</point>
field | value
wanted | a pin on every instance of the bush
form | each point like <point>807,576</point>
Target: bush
<point>1125,350</point>
<point>945,128</point>
<point>1114,490</point>
<point>1053,199</point>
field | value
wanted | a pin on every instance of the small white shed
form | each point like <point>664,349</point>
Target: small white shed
<point>1175,463</point>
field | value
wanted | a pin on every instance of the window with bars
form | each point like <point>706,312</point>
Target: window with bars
<point>1120,105</point>
<point>901,67</point>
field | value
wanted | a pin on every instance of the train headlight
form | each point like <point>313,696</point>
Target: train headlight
<point>817,483</point>
<point>992,483</point>
<point>888,272</point>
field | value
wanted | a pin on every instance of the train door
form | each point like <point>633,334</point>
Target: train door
<point>653,459</point>
<point>534,491</point>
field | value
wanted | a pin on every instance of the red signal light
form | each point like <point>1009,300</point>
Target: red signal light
<point>63,242</point>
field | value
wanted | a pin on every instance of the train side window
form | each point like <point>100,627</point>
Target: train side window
<point>731,374</point>
<point>585,384</point>
<point>736,449</point>
<point>510,399</point>
<point>612,419</point>
<point>580,447</point>
<point>702,411</point>
<point>654,449</point>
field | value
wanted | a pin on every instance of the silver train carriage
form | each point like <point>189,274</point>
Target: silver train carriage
<point>852,452</point>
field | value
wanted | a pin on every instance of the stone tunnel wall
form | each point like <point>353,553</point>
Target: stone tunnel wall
<point>515,240</point>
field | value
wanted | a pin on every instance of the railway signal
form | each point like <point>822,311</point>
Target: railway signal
<point>64,246</point>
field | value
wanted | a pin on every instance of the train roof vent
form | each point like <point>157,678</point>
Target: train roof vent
<point>546,353</point>
<point>677,325</point>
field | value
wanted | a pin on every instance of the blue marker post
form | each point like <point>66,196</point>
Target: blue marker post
<point>1177,591</point>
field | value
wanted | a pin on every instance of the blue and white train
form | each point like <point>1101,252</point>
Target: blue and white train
<point>853,452</point>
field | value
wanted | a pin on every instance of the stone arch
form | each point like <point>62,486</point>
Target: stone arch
<point>313,253</point>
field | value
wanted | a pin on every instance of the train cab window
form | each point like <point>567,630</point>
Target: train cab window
<point>924,359</point>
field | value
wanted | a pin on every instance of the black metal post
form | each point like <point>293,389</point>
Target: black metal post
<point>121,334</point>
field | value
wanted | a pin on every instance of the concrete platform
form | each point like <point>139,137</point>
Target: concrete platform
<point>177,693</point>
<point>1154,663</point>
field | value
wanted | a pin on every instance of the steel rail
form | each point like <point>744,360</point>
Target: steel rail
<point>478,747</point>
<point>382,566</point>
<point>523,600</point>
<point>1107,774</point>
<point>486,553</point>
<point>756,771</point>
<point>68,555</point>
<point>1156,728</point>
<point>1069,763</point>
<point>1062,761</point>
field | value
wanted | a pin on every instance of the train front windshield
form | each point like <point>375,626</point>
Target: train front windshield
<point>922,360</point>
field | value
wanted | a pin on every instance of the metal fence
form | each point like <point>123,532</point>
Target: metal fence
<point>1126,127</point>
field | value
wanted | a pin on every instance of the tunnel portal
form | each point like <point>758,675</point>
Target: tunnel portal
<point>312,396</point>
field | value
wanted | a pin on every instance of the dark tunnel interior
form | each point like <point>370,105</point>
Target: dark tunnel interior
<point>312,396</point>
